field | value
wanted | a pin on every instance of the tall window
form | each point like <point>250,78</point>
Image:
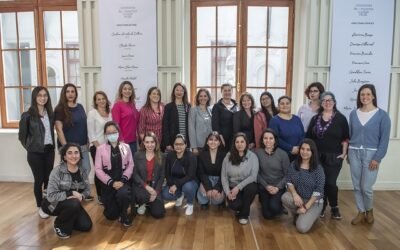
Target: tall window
<point>247,43</point>
<point>39,45</point>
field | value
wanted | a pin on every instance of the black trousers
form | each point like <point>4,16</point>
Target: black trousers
<point>332,166</point>
<point>70,216</point>
<point>243,200</point>
<point>140,196</point>
<point>41,165</point>
<point>116,202</point>
<point>271,204</point>
<point>97,182</point>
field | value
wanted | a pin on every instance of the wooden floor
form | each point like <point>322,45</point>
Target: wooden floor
<point>21,228</point>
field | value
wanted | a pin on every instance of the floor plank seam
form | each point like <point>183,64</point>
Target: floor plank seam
<point>254,234</point>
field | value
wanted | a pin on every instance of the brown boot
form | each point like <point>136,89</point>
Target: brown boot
<point>370,216</point>
<point>359,218</point>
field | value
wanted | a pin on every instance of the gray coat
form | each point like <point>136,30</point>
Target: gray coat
<point>199,126</point>
<point>140,171</point>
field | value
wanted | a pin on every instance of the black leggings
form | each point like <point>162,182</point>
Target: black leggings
<point>243,200</point>
<point>332,166</point>
<point>116,202</point>
<point>141,196</point>
<point>41,165</point>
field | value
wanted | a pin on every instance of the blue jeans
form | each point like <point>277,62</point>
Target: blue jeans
<point>189,189</point>
<point>85,162</point>
<point>202,197</point>
<point>363,178</point>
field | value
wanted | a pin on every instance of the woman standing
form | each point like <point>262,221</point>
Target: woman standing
<point>180,173</point>
<point>151,114</point>
<point>308,110</point>
<point>148,177</point>
<point>175,120</point>
<point>200,120</point>
<point>330,132</point>
<point>96,120</point>
<point>239,176</point>
<point>263,117</point>
<point>68,186</point>
<point>274,163</point>
<point>369,139</point>
<point>125,114</point>
<point>243,119</point>
<point>71,126</point>
<point>305,183</point>
<point>36,135</point>
<point>288,127</point>
<point>222,115</point>
<point>209,169</point>
<point>114,167</point>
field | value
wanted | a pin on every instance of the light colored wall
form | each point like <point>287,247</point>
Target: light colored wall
<point>311,63</point>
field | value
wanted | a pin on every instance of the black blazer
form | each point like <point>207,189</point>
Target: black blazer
<point>170,125</point>
<point>205,168</point>
<point>243,123</point>
<point>139,176</point>
<point>31,132</point>
<point>222,121</point>
<point>189,162</point>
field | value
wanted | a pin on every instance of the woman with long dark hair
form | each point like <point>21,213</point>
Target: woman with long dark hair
<point>330,132</point>
<point>96,119</point>
<point>70,123</point>
<point>148,177</point>
<point>264,115</point>
<point>239,176</point>
<point>68,186</point>
<point>125,114</point>
<point>305,184</point>
<point>369,139</point>
<point>175,120</point>
<point>151,114</point>
<point>114,167</point>
<point>274,163</point>
<point>36,134</point>
<point>209,165</point>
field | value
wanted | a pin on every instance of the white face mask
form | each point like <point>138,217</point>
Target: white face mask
<point>113,137</point>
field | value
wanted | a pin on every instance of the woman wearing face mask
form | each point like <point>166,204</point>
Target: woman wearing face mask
<point>148,177</point>
<point>308,110</point>
<point>114,167</point>
<point>68,186</point>
<point>263,117</point>
<point>36,134</point>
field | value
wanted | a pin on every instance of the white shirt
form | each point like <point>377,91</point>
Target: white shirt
<point>95,124</point>
<point>365,116</point>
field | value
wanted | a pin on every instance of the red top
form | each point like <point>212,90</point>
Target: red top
<point>127,117</point>
<point>150,167</point>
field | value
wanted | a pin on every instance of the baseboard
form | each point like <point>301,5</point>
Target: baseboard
<point>8,178</point>
<point>388,185</point>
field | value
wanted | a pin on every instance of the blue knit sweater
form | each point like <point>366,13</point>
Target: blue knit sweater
<point>374,134</point>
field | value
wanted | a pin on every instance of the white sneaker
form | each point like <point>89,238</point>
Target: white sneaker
<point>141,209</point>
<point>189,209</point>
<point>179,201</point>
<point>243,221</point>
<point>42,214</point>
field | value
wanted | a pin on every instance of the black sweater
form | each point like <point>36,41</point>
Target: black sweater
<point>189,163</point>
<point>243,123</point>
<point>205,168</point>
<point>222,121</point>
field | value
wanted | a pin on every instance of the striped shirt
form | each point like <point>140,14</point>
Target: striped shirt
<point>151,121</point>
<point>182,118</point>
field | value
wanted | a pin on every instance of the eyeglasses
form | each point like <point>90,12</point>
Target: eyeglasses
<point>328,101</point>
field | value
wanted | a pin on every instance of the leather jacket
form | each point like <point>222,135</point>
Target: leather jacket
<point>31,132</point>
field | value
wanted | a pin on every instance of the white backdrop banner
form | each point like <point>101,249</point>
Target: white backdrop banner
<point>128,33</point>
<point>362,34</point>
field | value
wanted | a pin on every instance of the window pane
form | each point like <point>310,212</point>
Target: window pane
<point>256,95</point>
<point>54,95</point>
<point>205,66</point>
<point>26,30</point>
<point>13,104</point>
<point>226,61</point>
<point>8,31</point>
<point>277,67</point>
<point>255,75</point>
<point>52,29</point>
<point>54,68</point>
<point>227,23</point>
<point>71,64</point>
<point>276,93</point>
<point>28,68</point>
<point>70,27</point>
<point>206,26</point>
<point>27,98</point>
<point>278,34</point>
<point>257,26</point>
<point>10,68</point>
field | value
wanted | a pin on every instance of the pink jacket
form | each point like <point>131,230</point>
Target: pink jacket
<point>260,123</point>
<point>103,161</point>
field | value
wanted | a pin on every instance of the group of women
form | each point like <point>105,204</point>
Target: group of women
<point>225,153</point>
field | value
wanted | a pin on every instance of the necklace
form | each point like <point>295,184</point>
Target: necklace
<point>319,129</point>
